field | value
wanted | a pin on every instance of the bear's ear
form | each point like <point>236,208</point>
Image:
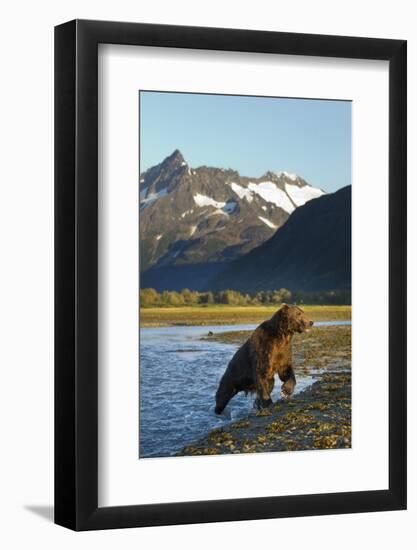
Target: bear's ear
<point>285,307</point>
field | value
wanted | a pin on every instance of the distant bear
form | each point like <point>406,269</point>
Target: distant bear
<point>266,353</point>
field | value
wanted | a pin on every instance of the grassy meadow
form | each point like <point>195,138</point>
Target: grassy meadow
<point>231,315</point>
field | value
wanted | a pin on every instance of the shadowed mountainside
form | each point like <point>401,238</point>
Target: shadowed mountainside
<point>310,252</point>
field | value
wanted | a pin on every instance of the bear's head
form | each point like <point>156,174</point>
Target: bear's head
<point>290,319</point>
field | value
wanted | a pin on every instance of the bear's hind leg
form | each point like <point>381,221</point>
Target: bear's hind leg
<point>224,394</point>
<point>263,393</point>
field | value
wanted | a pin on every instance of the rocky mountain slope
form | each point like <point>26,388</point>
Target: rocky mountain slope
<point>193,220</point>
<point>310,252</point>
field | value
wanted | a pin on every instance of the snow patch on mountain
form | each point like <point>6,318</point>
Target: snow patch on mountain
<point>301,195</point>
<point>186,213</point>
<point>222,208</point>
<point>203,200</point>
<point>267,222</point>
<point>152,197</point>
<point>241,192</point>
<point>269,191</point>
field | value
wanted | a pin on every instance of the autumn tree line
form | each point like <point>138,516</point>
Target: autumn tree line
<point>149,297</point>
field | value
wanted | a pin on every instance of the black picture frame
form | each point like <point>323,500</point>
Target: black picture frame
<point>76,272</point>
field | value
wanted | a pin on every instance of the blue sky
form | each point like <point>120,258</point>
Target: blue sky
<point>250,134</point>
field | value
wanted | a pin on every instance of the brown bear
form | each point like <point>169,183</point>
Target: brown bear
<point>266,353</point>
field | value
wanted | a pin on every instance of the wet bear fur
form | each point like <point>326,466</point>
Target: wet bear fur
<point>268,352</point>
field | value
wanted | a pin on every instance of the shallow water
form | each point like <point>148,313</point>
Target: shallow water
<point>179,375</point>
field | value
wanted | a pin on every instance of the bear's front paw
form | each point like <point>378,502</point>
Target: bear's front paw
<point>262,403</point>
<point>285,394</point>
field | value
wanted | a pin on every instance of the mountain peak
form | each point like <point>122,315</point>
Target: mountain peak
<point>269,175</point>
<point>279,176</point>
<point>175,157</point>
<point>288,175</point>
<point>208,214</point>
